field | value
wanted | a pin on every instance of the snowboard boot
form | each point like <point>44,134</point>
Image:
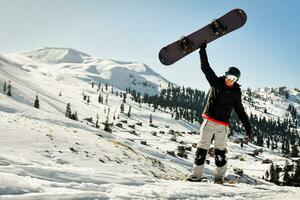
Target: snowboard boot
<point>221,166</point>
<point>193,178</point>
<point>198,167</point>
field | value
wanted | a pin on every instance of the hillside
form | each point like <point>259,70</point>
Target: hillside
<point>45,155</point>
<point>64,64</point>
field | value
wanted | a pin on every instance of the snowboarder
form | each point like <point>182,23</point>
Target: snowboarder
<point>223,97</point>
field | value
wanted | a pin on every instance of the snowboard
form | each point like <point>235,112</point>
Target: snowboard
<point>217,28</point>
<point>229,180</point>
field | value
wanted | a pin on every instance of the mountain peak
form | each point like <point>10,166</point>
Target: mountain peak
<point>55,55</point>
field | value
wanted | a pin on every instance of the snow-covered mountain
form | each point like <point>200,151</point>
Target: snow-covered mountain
<point>44,155</point>
<point>272,103</point>
<point>64,63</point>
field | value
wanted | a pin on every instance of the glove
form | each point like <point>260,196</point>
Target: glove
<point>203,45</point>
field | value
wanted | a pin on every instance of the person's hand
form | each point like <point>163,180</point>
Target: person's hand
<point>203,45</point>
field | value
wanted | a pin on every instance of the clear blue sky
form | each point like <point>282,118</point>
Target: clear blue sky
<point>266,49</point>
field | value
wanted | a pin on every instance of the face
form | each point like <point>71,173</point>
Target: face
<point>229,80</point>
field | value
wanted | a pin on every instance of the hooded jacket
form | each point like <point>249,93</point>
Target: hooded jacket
<point>221,99</point>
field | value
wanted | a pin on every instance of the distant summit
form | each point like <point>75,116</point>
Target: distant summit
<point>54,55</point>
<point>66,64</point>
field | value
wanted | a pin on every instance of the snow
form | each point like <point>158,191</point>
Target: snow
<point>45,155</point>
<point>55,55</point>
<point>65,63</point>
<point>275,104</point>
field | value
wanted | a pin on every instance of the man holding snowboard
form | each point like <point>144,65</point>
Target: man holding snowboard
<point>224,96</point>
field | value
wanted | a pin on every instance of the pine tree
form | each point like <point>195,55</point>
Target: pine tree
<point>287,147</point>
<point>107,125</point>
<point>286,178</point>
<point>272,173</point>
<point>267,174</point>
<point>293,139</point>
<point>124,98</point>
<point>192,116</point>
<point>155,106</point>
<point>9,89</point>
<point>268,142</point>
<point>122,108</point>
<point>68,112</point>
<point>129,111</point>
<point>286,94</point>
<point>75,116</point>
<point>99,98</point>
<point>282,148</point>
<point>296,178</point>
<point>4,88</point>
<point>289,107</point>
<point>106,86</point>
<point>295,151</point>
<point>99,85</point>
<point>276,177</point>
<point>177,115</point>
<point>242,143</point>
<point>88,100</point>
<point>286,175</point>
<point>97,121</point>
<point>37,102</point>
<point>260,139</point>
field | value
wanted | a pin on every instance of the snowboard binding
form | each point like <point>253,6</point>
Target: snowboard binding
<point>218,28</point>
<point>186,44</point>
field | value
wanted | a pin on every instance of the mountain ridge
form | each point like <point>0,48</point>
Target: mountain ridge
<point>134,75</point>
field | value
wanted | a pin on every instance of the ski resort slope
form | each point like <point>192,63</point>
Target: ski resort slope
<point>44,155</point>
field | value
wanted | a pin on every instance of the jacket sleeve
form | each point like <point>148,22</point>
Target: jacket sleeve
<point>207,70</point>
<point>239,109</point>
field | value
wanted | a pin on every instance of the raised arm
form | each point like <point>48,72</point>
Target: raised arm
<point>205,67</point>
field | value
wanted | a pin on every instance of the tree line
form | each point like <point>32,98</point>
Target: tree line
<point>187,103</point>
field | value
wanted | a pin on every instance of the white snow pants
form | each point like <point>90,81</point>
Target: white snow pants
<point>220,133</point>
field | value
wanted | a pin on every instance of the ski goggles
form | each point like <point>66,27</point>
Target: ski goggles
<point>232,78</point>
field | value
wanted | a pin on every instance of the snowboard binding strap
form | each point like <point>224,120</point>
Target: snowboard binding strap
<point>186,44</point>
<point>218,28</point>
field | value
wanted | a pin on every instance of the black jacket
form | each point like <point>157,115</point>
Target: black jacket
<point>221,99</point>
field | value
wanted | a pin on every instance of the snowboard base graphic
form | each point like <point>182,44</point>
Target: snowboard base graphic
<point>217,28</point>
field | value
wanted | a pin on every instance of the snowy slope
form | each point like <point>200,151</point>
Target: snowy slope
<point>275,104</point>
<point>65,63</point>
<point>47,156</point>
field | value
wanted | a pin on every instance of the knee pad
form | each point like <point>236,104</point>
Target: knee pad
<point>220,158</point>
<point>200,156</point>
